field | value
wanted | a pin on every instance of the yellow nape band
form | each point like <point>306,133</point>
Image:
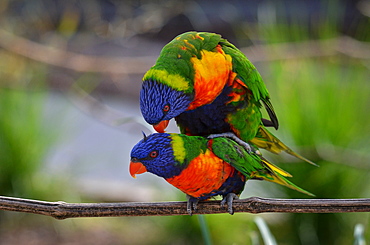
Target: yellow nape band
<point>175,81</point>
<point>178,148</point>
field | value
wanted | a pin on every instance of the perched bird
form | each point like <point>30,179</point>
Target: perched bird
<point>209,87</point>
<point>203,167</point>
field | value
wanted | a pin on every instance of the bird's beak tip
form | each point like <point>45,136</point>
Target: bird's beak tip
<point>136,168</point>
<point>161,126</point>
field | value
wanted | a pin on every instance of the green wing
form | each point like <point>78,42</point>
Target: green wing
<point>251,165</point>
<point>251,78</point>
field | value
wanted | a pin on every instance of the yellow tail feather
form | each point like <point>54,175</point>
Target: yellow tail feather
<point>276,168</point>
<point>266,140</point>
<point>277,178</point>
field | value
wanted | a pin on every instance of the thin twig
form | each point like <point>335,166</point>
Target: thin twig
<point>138,65</point>
<point>62,210</point>
<point>71,60</point>
<point>88,104</point>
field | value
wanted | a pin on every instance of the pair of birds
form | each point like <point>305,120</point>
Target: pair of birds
<point>215,95</point>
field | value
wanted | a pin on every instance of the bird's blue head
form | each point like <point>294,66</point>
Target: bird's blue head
<point>154,154</point>
<point>159,102</point>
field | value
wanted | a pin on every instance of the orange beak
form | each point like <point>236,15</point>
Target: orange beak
<point>160,127</point>
<point>136,168</point>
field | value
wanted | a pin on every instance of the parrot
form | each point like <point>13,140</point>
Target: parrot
<point>209,87</point>
<point>204,167</point>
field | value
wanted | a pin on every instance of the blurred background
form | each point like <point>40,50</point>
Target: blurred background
<point>70,76</point>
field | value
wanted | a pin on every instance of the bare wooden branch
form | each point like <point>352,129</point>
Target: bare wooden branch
<point>62,210</point>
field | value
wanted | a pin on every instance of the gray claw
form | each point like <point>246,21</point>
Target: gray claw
<point>191,204</point>
<point>228,199</point>
<point>233,137</point>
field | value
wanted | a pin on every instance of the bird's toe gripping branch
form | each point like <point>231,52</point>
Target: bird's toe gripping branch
<point>233,137</point>
<point>228,199</point>
<point>191,204</point>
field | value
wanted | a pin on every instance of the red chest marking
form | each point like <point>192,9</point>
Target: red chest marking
<point>204,174</point>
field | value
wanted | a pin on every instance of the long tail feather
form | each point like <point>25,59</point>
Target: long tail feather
<point>276,177</point>
<point>271,112</point>
<point>266,140</point>
<point>279,179</point>
<point>276,168</point>
<point>267,123</point>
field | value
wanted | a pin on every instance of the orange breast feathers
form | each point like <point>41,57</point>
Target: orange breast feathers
<point>204,174</point>
<point>212,72</point>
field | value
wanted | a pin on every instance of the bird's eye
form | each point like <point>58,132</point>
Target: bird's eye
<point>153,154</point>
<point>166,108</point>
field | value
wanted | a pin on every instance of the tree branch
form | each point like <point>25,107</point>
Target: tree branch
<point>62,210</point>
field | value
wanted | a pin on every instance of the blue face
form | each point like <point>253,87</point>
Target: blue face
<point>159,102</point>
<point>156,154</point>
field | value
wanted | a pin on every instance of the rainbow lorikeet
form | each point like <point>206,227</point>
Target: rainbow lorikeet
<point>202,167</point>
<point>209,87</point>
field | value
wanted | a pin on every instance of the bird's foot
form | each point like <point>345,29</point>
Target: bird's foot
<point>191,204</point>
<point>233,137</point>
<point>228,199</point>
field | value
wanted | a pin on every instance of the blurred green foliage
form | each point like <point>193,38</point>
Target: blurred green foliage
<point>24,136</point>
<point>23,142</point>
<point>322,105</point>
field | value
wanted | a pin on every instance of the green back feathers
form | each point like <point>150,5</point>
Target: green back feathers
<point>233,153</point>
<point>173,66</point>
